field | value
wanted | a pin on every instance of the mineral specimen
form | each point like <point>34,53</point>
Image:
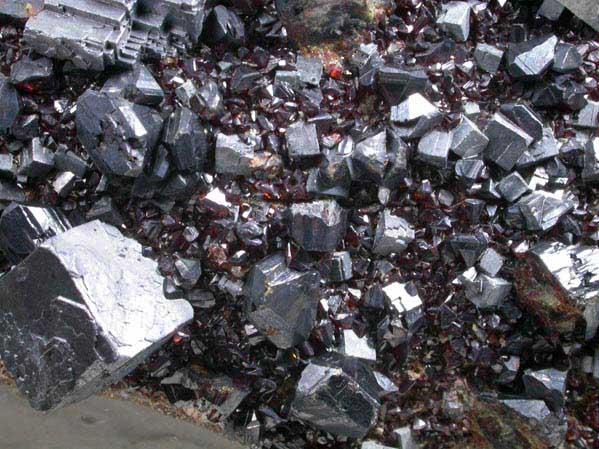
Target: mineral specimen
<point>281,302</point>
<point>488,57</point>
<point>302,141</point>
<point>393,234</point>
<point>455,20</point>
<point>118,135</point>
<point>547,384</point>
<point>559,284</point>
<point>23,228</point>
<point>136,85</point>
<point>233,155</point>
<point>397,83</point>
<point>317,226</point>
<point>337,394</point>
<point>81,312</point>
<point>96,34</point>
<point>531,59</point>
<point>507,142</point>
<point>186,139</point>
<point>10,105</point>
<point>585,9</point>
<point>467,140</point>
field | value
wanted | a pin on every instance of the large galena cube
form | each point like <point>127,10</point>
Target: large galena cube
<point>80,313</point>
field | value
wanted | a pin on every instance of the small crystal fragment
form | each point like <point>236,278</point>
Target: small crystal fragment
<point>455,20</point>
<point>137,85</point>
<point>397,83</point>
<point>507,142</point>
<point>551,10</point>
<point>524,117</point>
<point>9,99</point>
<point>36,160</point>
<point>317,226</point>
<point>567,58</point>
<point>186,139</point>
<point>233,155</point>
<point>302,140</point>
<point>467,140</point>
<point>433,148</point>
<point>542,210</point>
<point>224,26</point>
<point>488,57</point>
<point>358,347</point>
<point>512,187</point>
<point>416,115</point>
<point>491,262</point>
<point>393,234</point>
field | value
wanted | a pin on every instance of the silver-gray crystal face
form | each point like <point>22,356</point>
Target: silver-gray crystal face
<point>547,384</point>
<point>584,9</point>
<point>507,142</point>
<point>530,408</point>
<point>512,187</point>
<point>467,140</point>
<point>531,59</point>
<point>590,171</point>
<point>433,148</point>
<point>369,158</point>
<point>10,105</point>
<point>491,262</point>
<point>233,155</point>
<point>80,313</point>
<point>24,228</point>
<point>588,116</point>
<point>575,269</point>
<point>118,135</point>
<point>551,10</point>
<point>485,292</point>
<point>281,302</point>
<point>359,347</point>
<point>393,234</point>
<point>488,58</point>
<point>337,394</point>
<point>318,226</point>
<point>95,34</point>
<point>302,141</point>
<point>455,20</point>
<point>416,116</point>
<point>137,85</point>
<point>542,210</point>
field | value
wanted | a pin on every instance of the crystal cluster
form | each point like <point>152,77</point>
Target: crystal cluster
<point>314,224</point>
